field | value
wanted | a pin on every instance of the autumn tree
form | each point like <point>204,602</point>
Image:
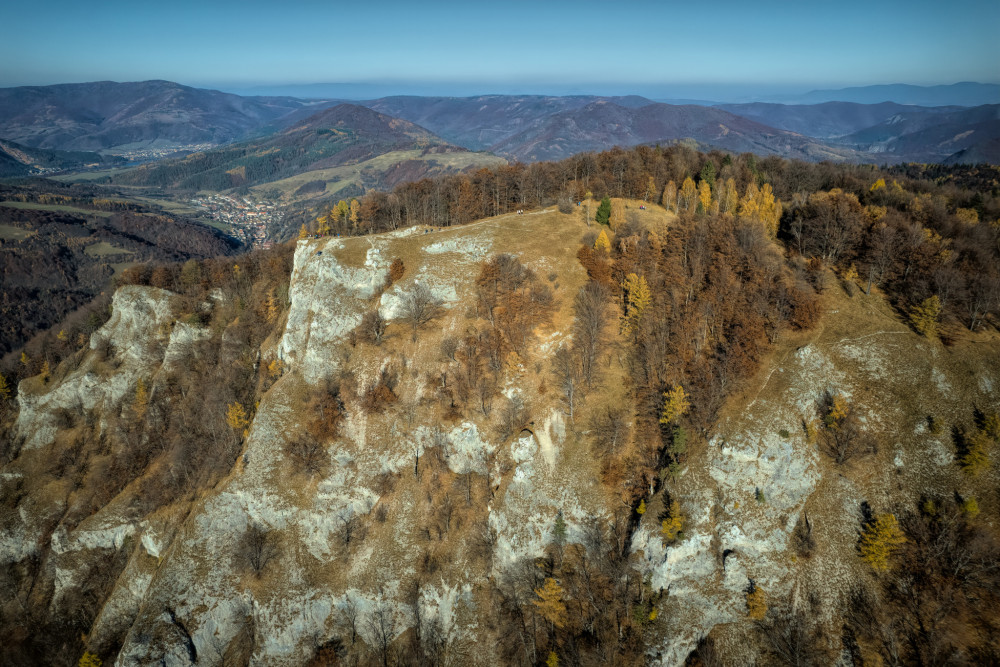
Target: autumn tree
<point>550,603</point>
<point>617,218</point>
<point>669,199</point>
<point>925,316</point>
<point>602,243</point>
<point>355,210</point>
<point>672,525</point>
<point>637,300</point>
<point>704,196</point>
<point>879,540</point>
<point>140,402</point>
<point>688,195</point>
<point>675,405</point>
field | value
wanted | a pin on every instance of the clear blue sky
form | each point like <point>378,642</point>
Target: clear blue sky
<point>683,47</point>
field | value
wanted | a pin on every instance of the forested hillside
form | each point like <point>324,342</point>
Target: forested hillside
<point>647,406</point>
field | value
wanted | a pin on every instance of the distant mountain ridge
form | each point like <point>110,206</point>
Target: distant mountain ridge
<point>478,123</point>
<point>106,115</point>
<point>336,136</point>
<point>965,93</point>
<point>602,124</point>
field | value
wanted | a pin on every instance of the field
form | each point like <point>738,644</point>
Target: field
<point>53,207</point>
<point>104,249</point>
<point>338,178</point>
<point>11,233</point>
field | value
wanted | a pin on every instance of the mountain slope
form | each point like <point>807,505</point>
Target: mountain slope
<point>919,136</point>
<point>109,116</point>
<point>826,120</point>
<point>340,135</point>
<point>18,160</point>
<point>480,122</point>
<point>601,124</point>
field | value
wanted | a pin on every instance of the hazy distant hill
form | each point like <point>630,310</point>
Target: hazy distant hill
<point>19,160</point>
<point>966,135</point>
<point>829,119</point>
<point>343,134</point>
<point>481,122</point>
<point>600,125</point>
<point>106,115</point>
<point>966,93</point>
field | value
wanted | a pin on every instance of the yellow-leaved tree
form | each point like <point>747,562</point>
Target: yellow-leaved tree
<point>689,195</point>
<point>303,232</point>
<point>880,539</point>
<point>925,317</point>
<point>673,525</point>
<point>4,389</point>
<point>140,404</point>
<point>617,213</point>
<point>602,242</point>
<point>704,196</point>
<point>237,418</point>
<point>675,405</point>
<point>759,205</point>
<point>756,602</point>
<point>355,208</point>
<point>730,199</point>
<point>637,299</point>
<point>669,199</point>
<point>89,659</point>
<point>550,603</point>
<point>322,225</point>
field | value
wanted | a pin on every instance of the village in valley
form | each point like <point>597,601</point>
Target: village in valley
<point>248,220</point>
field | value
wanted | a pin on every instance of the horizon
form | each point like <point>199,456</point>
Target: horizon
<point>522,49</point>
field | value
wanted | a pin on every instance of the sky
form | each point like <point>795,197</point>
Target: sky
<point>665,48</point>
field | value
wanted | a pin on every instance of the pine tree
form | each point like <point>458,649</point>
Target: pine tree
<point>708,174</point>
<point>559,529</point>
<point>552,660</point>
<point>880,540</point>
<point>642,508</point>
<point>603,211</point>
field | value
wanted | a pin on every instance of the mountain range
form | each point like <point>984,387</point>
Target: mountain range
<point>112,117</point>
<point>250,141</point>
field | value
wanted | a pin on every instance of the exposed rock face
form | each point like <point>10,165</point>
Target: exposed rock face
<point>186,594</point>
